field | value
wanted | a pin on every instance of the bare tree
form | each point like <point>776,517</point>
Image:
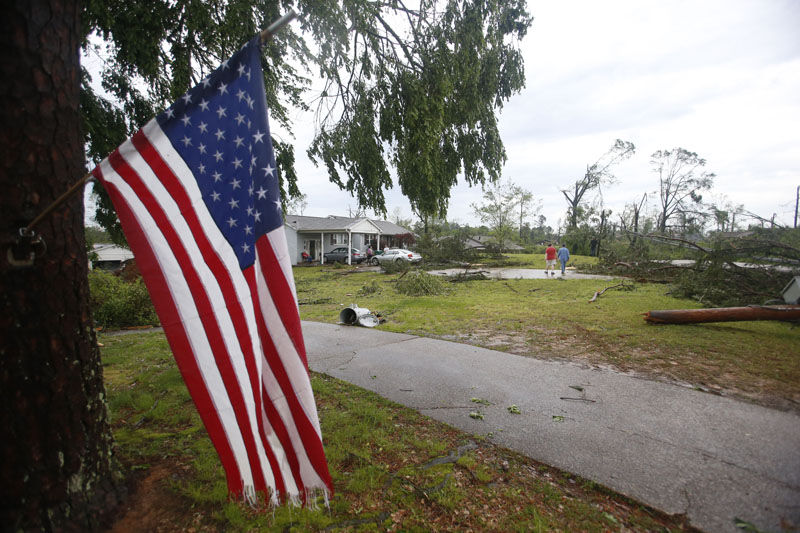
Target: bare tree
<point>681,180</point>
<point>498,211</point>
<point>629,219</point>
<point>596,175</point>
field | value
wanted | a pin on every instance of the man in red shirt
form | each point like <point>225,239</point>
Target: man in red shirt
<point>550,257</point>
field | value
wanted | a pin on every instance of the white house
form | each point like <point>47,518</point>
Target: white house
<point>318,235</point>
<point>109,256</point>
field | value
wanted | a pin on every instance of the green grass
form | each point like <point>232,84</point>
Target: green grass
<point>378,453</point>
<point>553,318</point>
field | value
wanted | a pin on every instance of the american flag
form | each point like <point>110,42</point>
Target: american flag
<point>197,195</point>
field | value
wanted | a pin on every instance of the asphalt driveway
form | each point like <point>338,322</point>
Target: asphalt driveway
<point>679,450</point>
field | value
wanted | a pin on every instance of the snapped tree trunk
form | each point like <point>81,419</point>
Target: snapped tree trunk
<point>56,452</point>
<point>724,314</point>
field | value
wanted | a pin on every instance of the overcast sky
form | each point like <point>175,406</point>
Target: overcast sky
<point>720,78</point>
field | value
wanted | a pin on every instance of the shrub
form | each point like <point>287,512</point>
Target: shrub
<point>393,267</point>
<point>421,284</point>
<point>118,303</point>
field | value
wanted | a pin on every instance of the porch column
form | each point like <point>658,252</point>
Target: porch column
<point>349,247</point>
<point>322,246</point>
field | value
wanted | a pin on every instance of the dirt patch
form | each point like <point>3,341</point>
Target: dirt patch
<point>153,506</point>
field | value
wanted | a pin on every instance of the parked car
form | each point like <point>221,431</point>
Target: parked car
<point>396,254</point>
<point>340,254</point>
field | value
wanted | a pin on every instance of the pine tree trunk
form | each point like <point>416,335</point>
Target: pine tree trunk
<point>56,452</point>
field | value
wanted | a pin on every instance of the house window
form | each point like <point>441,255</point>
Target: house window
<point>338,238</point>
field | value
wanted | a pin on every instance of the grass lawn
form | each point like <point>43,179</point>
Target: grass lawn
<point>553,319</point>
<point>381,460</point>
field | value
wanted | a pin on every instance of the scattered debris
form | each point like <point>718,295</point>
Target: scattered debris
<point>514,410</point>
<point>315,301</point>
<point>558,418</point>
<point>480,401</point>
<point>623,286</point>
<point>355,315</point>
<point>476,415</point>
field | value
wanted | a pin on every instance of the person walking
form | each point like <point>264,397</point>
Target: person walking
<point>563,257</point>
<point>550,260</point>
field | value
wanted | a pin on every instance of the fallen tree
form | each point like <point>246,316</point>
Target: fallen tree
<point>788,313</point>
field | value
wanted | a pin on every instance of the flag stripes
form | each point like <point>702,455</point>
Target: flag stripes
<point>233,356</point>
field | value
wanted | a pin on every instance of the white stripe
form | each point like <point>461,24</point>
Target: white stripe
<point>182,297</point>
<point>230,262</point>
<point>281,250</point>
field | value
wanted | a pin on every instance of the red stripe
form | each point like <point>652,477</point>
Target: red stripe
<point>223,277</point>
<point>206,314</point>
<point>272,414</point>
<point>284,297</point>
<point>176,335</point>
<point>308,434</point>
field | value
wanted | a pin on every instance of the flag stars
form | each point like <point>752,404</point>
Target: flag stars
<point>234,203</point>
<point>186,120</point>
<point>238,141</point>
<point>250,101</point>
<point>223,88</point>
<point>202,148</point>
<point>257,216</point>
<point>206,82</point>
<point>203,127</point>
<point>258,136</point>
<point>187,98</point>
<point>220,135</point>
<point>215,196</point>
<point>217,176</point>
<point>245,248</point>
<point>221,112</point>
<point>204,104</point>
<point>237,163</point>
<point>201,168</point>
<point>218,156</point>
<point>248,230</point>
<point>186,141</point>
<point>268,170</point>
<point>241,68</point>
<point>232,222</point>
<point>240,95</point>
<point>236,184</point>
<point>169,113</point>
<point>262,192</point>
<point>250,211</point>
<point>239,119</point>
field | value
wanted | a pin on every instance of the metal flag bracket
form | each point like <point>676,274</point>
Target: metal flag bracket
<point>27,246</point>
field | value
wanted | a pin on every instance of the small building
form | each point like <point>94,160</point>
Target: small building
<point>318,235</point>
<point>108,256</point>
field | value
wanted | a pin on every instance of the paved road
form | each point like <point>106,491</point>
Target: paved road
<point>676,449</point>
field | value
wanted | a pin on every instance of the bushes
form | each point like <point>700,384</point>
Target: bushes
<point>117,303</point>
<point>421,284</point>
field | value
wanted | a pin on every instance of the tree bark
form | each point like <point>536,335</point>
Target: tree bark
<point>724,314</point>
<point>56,457</point>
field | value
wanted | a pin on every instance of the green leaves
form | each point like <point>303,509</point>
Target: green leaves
<point>415,90</point>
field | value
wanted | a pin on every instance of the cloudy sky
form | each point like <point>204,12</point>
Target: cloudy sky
<point>720,78</point>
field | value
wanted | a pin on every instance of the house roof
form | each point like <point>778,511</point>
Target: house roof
<point>336,223</point>
<point>111,252</point>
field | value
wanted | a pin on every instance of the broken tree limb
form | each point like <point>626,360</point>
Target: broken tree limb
<point>598,293</point>
<point>724,314</point>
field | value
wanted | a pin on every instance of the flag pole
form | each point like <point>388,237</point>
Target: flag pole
<point>273,28</point>
<point>265,34</point>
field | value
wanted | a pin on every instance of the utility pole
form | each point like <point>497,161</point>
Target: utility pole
<point>796,202</point>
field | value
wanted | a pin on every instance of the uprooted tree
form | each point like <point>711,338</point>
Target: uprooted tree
<point>750,268</point>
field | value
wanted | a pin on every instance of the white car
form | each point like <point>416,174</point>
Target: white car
<point>396,254</point>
